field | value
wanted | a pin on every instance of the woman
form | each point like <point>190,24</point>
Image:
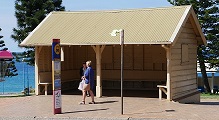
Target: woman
<point>82,70</point>
<point>89,83</point>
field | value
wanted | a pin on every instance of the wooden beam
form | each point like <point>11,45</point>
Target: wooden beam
<point>102,48</point>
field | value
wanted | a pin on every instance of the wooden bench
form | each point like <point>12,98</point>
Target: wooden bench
<point>162,88</point>
<point>45,78</point>
<point>45,86</point>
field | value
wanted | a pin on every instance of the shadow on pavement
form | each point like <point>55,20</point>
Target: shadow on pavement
<point>208,103</point>
<point>85,111</point>
<point>105,102</point>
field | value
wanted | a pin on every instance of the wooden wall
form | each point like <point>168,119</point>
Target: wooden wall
<point>183,74</point>
<point>141,63</point>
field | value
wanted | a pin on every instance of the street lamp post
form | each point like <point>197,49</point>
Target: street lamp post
<point>121,31</point>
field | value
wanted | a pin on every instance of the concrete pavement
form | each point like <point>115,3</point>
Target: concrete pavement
<point>41,107</point>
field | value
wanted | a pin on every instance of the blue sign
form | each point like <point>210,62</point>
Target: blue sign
<point>56,49</point>
<point>57,84</point>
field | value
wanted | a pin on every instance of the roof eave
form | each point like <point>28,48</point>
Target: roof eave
<point>199,28</point>
<point>30,35</point>
<point>189,11</point>
<point>63,44</point>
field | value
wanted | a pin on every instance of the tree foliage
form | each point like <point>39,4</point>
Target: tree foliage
<point>7,68</point>
<point>29,14</point>
<point>208,14</point>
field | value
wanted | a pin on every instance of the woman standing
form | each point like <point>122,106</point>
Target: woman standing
<point>89,83</point>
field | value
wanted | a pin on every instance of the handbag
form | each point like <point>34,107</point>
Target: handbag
<point>80,87</point>
<point>87,86</point>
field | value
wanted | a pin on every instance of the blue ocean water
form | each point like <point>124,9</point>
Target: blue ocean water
<point>209,74</point>
<point>17,83</point>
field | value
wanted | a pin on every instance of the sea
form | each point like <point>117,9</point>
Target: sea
<point>24,79</point>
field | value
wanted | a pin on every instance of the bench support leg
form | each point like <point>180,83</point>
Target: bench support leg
<point>160,94</point>
<point>45,89</point>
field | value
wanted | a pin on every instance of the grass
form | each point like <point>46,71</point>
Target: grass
<point>14,95</point>
<point>209,96</point>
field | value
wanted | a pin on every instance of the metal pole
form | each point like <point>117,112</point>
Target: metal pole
<point>28,88</point>
<point>122,43</point>
<point>24,76</point>
<point>3,88</point>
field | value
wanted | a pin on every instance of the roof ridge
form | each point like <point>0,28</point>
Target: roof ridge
<point>123,10</point>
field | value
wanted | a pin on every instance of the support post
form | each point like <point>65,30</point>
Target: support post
<point>168,83</point>
<point>37,89</point>
<point>98,50</point>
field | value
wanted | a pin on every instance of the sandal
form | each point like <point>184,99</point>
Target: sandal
<point>92,102</point>
<point>82,103</point>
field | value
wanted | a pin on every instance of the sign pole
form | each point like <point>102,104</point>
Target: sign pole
<point>56,75</point>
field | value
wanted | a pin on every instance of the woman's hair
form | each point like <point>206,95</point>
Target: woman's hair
<point>88,63</point>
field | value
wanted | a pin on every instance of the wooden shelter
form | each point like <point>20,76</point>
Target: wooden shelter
<point>160,48</point>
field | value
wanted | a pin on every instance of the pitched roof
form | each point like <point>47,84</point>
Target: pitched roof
<point>141,26</point>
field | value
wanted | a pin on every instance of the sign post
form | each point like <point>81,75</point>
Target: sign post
<point>56,75</point>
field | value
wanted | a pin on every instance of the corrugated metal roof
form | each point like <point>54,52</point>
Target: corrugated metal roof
<point>141,26</point>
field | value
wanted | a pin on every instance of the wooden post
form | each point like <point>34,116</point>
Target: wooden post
<point>168,84</point>
<point>37,89</point>
<point>98,50</point>
<point>168,74</point>
<point>99,82</point>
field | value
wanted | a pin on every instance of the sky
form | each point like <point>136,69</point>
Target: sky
<point>8,21</point>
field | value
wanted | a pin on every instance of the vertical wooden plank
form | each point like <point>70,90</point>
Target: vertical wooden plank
<point>37,88</point>
<point>107,56</point>
<point>138,57</point>
<point>116,57</point>
<point>98,71</point>
<point>128,58</point>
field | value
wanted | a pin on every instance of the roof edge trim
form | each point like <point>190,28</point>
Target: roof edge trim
<point>182,21</point>
<point>38,26</point>
<point>148,43</point>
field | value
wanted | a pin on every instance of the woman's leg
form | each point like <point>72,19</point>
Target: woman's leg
<point>83,97</point>
<point>92,95</point>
